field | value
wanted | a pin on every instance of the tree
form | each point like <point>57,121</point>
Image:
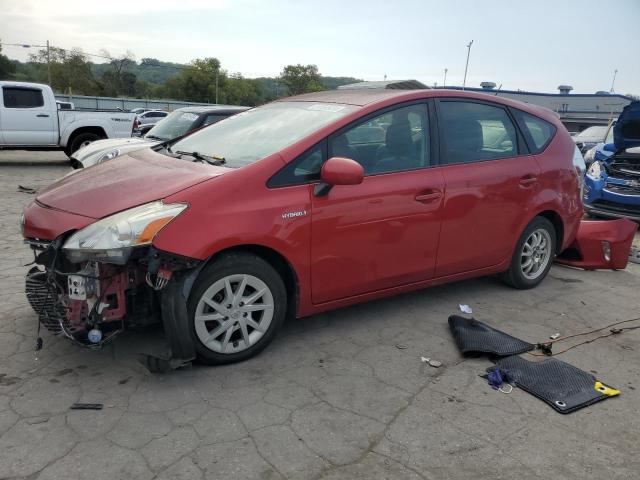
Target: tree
<point>118,80</point>
<point>301,79</point>
<point>198,82</point>
<point>70,70</point>
<point>7,67</point>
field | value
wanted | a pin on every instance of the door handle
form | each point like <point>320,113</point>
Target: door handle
<point>42,115</point>
<point>528,180</point>
<point>428,196</point>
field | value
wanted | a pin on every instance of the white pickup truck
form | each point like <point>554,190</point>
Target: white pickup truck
<point>30,119</point>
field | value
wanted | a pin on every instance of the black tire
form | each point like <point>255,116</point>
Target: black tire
<point>77,142</point>
<point>515,277</point>
<point>234,264</point>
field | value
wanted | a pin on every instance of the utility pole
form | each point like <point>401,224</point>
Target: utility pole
<point>615,72</point>
<point>444,83</point>
<point>464,82</point>
<point>48,62</point>
<point>217,71</point>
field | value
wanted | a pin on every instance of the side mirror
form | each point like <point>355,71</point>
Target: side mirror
<point>339,171</point>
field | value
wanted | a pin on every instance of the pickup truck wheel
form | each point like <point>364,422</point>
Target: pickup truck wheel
<point>83,140</point>
<point>235,308</point>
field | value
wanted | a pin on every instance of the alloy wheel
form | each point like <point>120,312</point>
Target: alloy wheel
<point>535,254</point>
<point>234,313</point>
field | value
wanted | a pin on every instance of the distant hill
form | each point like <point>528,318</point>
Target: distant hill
<point>149,70</point>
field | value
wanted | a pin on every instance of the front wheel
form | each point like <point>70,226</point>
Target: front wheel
<point>235,308</point>
<point>533,255</point>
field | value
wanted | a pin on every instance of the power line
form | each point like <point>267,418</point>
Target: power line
<point>178,66</point>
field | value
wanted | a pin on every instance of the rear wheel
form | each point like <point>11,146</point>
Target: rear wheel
<point>533,255</point>
<point>235,308</point>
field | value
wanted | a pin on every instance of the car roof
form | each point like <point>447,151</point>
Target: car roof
<point>359,97</point>
<point>212,109</point>
<point>372,98</point>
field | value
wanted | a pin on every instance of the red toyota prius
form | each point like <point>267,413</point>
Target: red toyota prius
<point>302,205</point>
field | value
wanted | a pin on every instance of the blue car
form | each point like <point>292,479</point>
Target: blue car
<point>603,150</point>
<point>612,182</point>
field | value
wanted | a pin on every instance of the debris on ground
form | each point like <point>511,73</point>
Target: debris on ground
<point>29,190</point>
<point>466,309</point>
<point>37,420</point>
<point>554,336</point>
<point>401,346</point>
<point>432,362</point>
<point>86,406</point>
<point>634,255</point>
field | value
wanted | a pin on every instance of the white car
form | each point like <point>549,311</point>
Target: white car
<point>178,123</point>
<point>30,119</point>
<point>151,116</point>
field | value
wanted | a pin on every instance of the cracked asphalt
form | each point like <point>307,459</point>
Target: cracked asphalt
<point>332,398</point>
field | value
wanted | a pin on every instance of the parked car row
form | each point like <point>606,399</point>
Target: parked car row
<point>178,123</point>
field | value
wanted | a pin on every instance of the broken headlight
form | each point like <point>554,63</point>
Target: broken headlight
<point>112,239</point>
<point>595,171</point>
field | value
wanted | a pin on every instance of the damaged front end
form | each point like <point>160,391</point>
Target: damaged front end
<point>92,284</point>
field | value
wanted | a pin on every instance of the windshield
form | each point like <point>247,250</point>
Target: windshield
<point>173,125</point>
<point>257,133</point>
<point>597,132</point>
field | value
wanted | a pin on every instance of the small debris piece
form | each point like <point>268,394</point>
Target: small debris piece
<point>466,309</point>
<point>36,420</point>
<point>401,346</point>
<point>86,406</point>
<point>432,362</point>
<point>554,336</point>
<point>26,190</point>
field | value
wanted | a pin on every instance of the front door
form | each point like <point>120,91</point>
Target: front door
<point>489,182</point>
<point>26,117</point>
<point>384,232</point>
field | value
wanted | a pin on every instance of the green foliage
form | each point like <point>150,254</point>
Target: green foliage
<point>150,78</point>
<point>301,79</point>
<point>7,67</point>
<point>70,71</point>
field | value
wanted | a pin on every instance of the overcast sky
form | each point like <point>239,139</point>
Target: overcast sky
<point>533,45</point>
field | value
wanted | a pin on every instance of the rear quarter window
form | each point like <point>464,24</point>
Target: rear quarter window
<point>537,131</point>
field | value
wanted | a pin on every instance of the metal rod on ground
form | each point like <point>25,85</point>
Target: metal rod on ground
<point>464,82</point>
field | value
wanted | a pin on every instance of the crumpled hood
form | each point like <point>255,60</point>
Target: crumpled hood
<point>124,182</point>
<point>626,131</point>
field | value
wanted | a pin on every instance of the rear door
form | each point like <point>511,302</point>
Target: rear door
<point>489,182</point>
<point>27,116</point>
<point>384,232</point>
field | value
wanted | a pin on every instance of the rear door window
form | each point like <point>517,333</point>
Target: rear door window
<point>473,132</point>
<point>538,132</point>
<point>22,97</point>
